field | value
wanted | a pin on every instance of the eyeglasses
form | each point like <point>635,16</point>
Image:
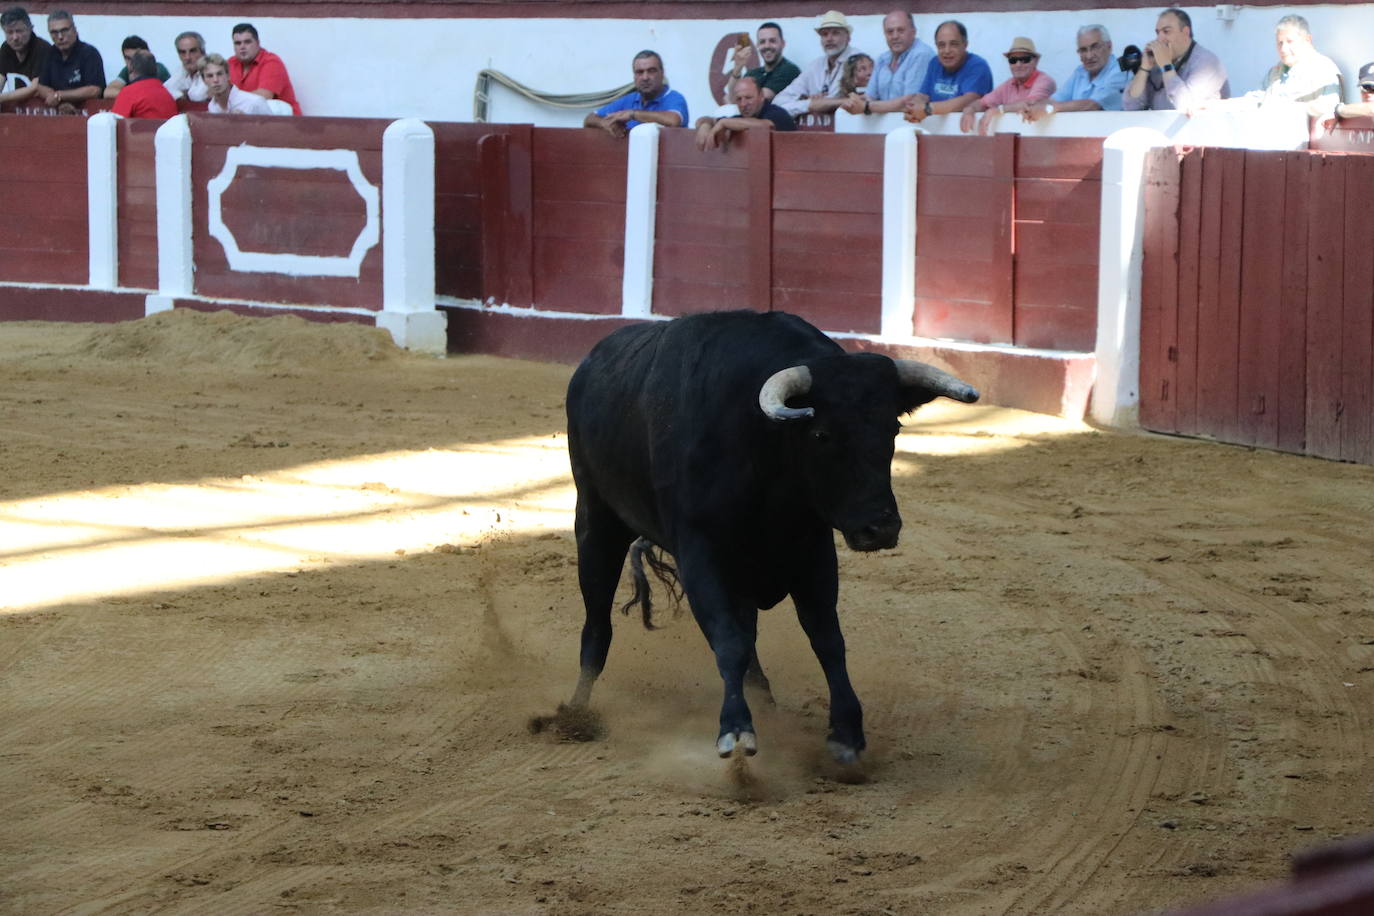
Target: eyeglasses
<point>1095,46</point>
<point>1367,87</point>
<point>58,33</point>
<point>1020,59</point>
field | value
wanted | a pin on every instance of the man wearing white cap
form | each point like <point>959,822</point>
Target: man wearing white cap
<point>1028,84</point>
<point>817,90</point>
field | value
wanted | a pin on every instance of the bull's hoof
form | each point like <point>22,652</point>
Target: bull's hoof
<point>842,753</point>
<point>745,741</point>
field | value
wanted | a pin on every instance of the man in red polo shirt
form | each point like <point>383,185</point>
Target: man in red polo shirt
<point>144,96</point>
<point>255,69</point>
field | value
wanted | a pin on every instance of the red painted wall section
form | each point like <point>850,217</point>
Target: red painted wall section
<point>578,234</point>
<point>458,208</point>
<point>964,238</point>
<point>1057,211</point>
<point>1263,333</point>
<point>712,229</point>
<point>827,258</point>
<point>281,210</point>
<point>43,237</point>
<point>136,210</point>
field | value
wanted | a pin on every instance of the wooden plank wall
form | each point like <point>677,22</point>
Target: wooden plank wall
<point>458,208</point>
<point>1257,311</point>
<point>1056,212</point>
<point>964,238</point>
<point>711,237</point>
<point>136,208</point>
<point>827,248</point>
<point>44,236</point>
<point>578,223</point>
<point>303,211</point>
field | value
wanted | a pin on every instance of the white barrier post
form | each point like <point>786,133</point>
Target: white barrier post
<point>408,309</point>
<point>1116,391</point>
<point>641,205</point>
<point>899,233</point>
<point>172,157</point>
<point>102,189</point>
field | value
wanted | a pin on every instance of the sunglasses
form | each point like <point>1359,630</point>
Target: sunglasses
<point>1367,87</point>
<point>1019,59</point>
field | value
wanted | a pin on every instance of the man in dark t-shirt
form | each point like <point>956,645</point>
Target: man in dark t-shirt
<point>74,71</point>
<point>755,113</point>
<point>21,56</point>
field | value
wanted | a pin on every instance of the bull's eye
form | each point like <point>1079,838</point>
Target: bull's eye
<point>820,435</point>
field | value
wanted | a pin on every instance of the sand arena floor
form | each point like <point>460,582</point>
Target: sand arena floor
<point>277,601</point>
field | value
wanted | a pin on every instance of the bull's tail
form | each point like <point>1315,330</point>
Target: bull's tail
<point>641,551</point>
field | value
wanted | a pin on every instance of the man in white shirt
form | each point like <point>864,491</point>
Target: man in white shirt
<point>1303,76</point>
<point>187,81</point>
<point>817,89</point>
<point>225,97</point>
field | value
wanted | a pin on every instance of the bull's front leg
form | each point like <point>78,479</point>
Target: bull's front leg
<point>816,596</point>
<point>715,611</point>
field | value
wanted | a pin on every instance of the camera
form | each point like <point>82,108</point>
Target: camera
<point>1129,61</point>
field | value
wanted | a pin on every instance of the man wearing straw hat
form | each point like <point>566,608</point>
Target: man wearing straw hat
<point>1028,85</point>
<point>817,90</point>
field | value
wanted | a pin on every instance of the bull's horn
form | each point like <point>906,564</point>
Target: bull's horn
<point>782,385</point>
<point>914,374</point>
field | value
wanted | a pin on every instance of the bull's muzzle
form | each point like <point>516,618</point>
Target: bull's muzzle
<point>879,533</point>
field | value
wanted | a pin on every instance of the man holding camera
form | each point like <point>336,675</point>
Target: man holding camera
<point>1096,84</point>
<point>1176,72</point>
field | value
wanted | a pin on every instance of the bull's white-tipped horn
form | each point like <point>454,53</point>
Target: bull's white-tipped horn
<point>782,385</point>
<point>914,374</point>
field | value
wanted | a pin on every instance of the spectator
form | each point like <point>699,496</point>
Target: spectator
<point>73,71</point>
<point>960,79</point>
<point>777,72</point>
<point>1176,71</point>
<point>857,78</point>
<point>144,96</point>
<point>22,56</point>
<point>1364,108</point>
<point>817,89</point>
<point>131,44</point>
<point>1096,84</point>
<point>256,69</point>
<point>900,69</point>
<point>652,102</point>
<point>188,81</point>
<point>1028,84</point>
<point>755,113</point>
<point>1303,75</point>
<point>224,96</point>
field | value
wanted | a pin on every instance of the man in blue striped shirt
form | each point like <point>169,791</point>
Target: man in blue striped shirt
<point>899,71</point>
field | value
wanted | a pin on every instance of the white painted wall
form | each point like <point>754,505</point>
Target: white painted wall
<point>427,68</point>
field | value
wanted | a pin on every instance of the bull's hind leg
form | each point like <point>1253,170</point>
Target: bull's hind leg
<point>602,540</point>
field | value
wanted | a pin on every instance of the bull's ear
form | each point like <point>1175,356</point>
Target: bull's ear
<point>922,383</point>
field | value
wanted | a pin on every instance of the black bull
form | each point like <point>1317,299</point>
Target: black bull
<point>736,441</point>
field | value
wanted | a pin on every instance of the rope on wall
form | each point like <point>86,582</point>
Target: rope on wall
<point>481,95</point>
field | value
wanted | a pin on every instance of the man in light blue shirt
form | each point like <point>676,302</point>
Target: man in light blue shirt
<point>1096,84</point>
<point>652,102</point>
<point>899,71</point>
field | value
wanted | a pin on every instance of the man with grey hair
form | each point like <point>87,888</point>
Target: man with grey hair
<point>187,81</point>
<point>74,71</point>
<point>817,90</point>
<point>898,72</point>
<point>21,56</point>
<point>1303,76</point>
<point>1096,84</point>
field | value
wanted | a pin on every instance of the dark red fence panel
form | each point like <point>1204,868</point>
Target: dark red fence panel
<point>579,219</point>
<point>964,238</point>
<point>43,238</point>
<point>458,187</point>
<point>827,258</point>
<point>1057,211</point>
<point>136,208</point>
<point>712,230</point>
<point>295,213</point>
<point>1268,325</point>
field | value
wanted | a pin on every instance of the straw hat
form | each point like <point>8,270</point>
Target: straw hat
<point>1022,46</point>
<point>835,20</point>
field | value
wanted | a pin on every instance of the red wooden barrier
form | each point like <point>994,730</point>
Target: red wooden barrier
<point>827,258</point>
<point>43,238</point>
<point>275,210</point>
<point>1265,334</point>
<point>136,205</point>
<point>458,188</point>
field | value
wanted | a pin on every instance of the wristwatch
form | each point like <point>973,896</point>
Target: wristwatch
<point>867,108</point>
<point>1167,67</point>
<point>1049,108</point>
<point>928,111</point>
